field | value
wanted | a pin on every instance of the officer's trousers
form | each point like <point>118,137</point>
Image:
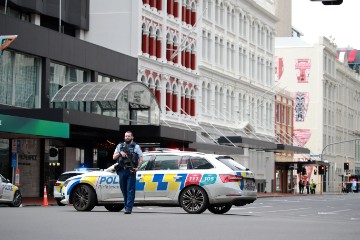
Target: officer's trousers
<point>128,186</point>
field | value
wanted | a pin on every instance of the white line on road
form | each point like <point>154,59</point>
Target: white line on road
<point>334,212</point>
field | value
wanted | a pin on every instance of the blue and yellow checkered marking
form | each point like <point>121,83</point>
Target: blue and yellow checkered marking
<point>160,182</point>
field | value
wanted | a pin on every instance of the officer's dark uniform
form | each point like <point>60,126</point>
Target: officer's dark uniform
<point>127,177</point>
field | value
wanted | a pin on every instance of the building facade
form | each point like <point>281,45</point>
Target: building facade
<point>326,106</point>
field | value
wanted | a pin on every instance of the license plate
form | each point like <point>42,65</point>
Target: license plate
<point>249,185</point>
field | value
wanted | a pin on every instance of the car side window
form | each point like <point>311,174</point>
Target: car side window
<point>165,162</point>
<point>144,163</point>
<point>200,163</point>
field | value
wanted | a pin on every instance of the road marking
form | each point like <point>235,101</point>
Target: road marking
<point>283,210</point>
<point>334,212</point>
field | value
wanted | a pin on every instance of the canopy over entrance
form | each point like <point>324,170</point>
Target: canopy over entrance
<point>132,102</point>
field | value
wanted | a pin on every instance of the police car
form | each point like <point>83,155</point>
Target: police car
<point>195,181</point>
<point>63,177</point>
<point>9,193</point>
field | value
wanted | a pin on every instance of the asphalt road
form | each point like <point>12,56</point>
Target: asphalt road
<point>311,217</point>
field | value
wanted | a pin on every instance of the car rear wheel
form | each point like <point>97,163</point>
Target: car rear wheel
<point>58,201</point>
<point>114,207</point>
<point>83,198</point>
<point>17,200</point>
<point>219,209</point>
<point>194,200</point>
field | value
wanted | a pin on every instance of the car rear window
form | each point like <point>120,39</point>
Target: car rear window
<point>63,177</point>
<point>231,163</point>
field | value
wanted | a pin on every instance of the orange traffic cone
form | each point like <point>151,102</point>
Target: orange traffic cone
<point>45,202</point>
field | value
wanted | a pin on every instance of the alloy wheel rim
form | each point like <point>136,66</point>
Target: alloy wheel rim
<point>81,197</point>
<point>193,199</point>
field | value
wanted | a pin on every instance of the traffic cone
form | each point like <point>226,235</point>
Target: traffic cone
<point>45,201</point>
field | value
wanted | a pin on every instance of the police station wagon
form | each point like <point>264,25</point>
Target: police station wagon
<point>195,181</point>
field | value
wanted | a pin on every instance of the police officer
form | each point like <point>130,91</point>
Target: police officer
<point>129,157</point>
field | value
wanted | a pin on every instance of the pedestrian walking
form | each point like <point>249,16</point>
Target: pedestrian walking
<point>129,157</point>
<point>307,187</point>
<point>312,186</point>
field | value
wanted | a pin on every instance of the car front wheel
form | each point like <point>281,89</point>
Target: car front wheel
<point>17,200</point>
<point>114,207</point>
<point>194,200</point>
<point>219,209</point>
<point>83,198</point>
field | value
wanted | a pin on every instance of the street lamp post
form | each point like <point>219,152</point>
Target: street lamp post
<point>330,144</point>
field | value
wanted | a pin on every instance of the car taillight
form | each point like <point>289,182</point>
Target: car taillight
<point>229,178</point>
<point>57,184</point>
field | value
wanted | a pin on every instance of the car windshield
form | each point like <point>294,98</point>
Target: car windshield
<point>65,176</point>
<point>231,163</point>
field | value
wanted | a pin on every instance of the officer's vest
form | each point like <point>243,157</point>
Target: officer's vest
<point>129,149</point>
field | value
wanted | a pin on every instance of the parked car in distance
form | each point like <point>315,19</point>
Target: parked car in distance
<point>63,177</point>
<point>9,193</point>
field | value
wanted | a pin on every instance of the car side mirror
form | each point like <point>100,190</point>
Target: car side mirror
<point>8,181</point>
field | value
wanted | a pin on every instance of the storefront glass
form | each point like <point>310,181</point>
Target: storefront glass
<point>20,77</point>
<point>5,167</point>
<point>61,75</point>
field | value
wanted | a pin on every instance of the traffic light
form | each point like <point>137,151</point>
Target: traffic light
<point>303,171</point>
<point>321,170</point>
<point>315,171</point>
<point>346,166</point>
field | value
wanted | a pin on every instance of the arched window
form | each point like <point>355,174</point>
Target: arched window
<point>217,102</point>
<point>222,14</point>
<point>168,97</point>
<point>152,41</point>
<point>193,57</point>
<point>188,12</point>
<point>221,104</point>
<point>175,47</point>
<point>193,14</point>
<point>169,47</point>
<point>217,12</point>
<point>145,40</point>
<point>187,102</point>
<point>203,97</point>
<point>170,7</point>
<point>158,91</point>
<point>192,103</point>
<point>208,101</point>
<point>176,8</point>
<point>158,44</point>
<point>182,101</point>
<point>174,99</point>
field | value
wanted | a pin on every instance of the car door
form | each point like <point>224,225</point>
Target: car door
<point>161,178</point>
<point>7,190</point>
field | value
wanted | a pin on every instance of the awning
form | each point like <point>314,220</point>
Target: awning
<point>292,149</point>
<point>92,91</point>
<point>247,142</point>
<point>129,101</point>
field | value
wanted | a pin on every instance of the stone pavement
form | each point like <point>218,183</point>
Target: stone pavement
<point>27,201</point>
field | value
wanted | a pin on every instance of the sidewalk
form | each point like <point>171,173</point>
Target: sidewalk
<point>51,201</point>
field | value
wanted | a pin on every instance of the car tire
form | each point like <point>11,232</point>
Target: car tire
<point>83,198</point>
<point>58,201</point>
<point>114,207</point>
<point>219,209</point>
<point>194,200</point>
<point>16,202</point>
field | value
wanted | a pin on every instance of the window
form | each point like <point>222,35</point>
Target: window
<point>231,163</point>
<point>200,163</point>
<point>20,77</point>
<point>165,162</point>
